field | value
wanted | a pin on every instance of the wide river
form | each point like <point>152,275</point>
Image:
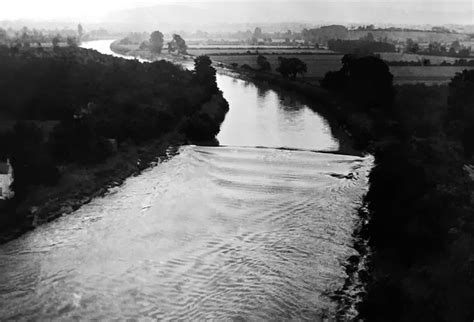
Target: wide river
<point>244,231</point>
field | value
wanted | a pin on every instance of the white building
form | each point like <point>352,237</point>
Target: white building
<point>6,179</point>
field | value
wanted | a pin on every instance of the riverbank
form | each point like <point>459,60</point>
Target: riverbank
<point>420,205</point>
<point>79,185</point>
<point>320,100</point>
<point>113,131</point>
<point>147,55</point>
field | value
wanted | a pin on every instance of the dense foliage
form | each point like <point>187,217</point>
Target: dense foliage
<point>263,63</point>
<point>290,67</point>
<point>156,42</point>
<point>420,197</point>
<point>95,102</point>
<point>177,45</point>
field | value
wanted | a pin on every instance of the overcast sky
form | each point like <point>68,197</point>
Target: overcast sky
<point>388,11</point>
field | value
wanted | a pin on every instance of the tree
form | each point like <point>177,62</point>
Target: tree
<point>3,36</point>
<point>257,33</point>
<point>369,37</point>
<point>145,45</point>
<point>205,74</point>
<point>80,32</point>
<point>367,80</point>
<point>290,67</point>
<point>411,46</point>
<point>460,111</point>
<point>178,45</point>
<point>263,63</point>
<point>71,41</point>
<point>465,52</point>
<point>156,42</point>
<point>456,45</point>
<point>56,40</point>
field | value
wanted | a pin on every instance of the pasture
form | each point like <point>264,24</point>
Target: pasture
<point>319,65</point>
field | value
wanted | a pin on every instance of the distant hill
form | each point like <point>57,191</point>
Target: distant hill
<point>175,17</point>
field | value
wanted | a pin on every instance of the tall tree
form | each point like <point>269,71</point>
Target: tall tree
<point>3,36</point>
<point>156,42</point>
<point>257,33</point>
<point>263,63</point>
<point>291,67</point>
<point>178,44</point>
<point>80,32</point>
<point>56,40</point>
<point>205,74</point>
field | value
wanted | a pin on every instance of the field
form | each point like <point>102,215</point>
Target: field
<point>264,50</point>
<point>425,74</point>
<point>320,61</point>
<point>319,65</point>
<point>435,60</point>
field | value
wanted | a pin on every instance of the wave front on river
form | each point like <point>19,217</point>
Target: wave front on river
<point>213,233</point>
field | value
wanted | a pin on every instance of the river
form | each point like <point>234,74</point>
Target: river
<point>243,231</point>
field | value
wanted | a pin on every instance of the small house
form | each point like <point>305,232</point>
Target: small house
<point>6,179</point>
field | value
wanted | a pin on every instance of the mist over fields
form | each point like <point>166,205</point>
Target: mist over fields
<point>232,15</point>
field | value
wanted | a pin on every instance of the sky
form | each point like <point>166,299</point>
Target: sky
<point>388,11</point>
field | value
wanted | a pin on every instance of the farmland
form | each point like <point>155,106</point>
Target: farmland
<point>246,50</point>
<point>406,57</point>
<point>320,61</point>
<point>320,64</point>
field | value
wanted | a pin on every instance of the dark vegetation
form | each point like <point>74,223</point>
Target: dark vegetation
<point>263,63</point>
<point>438,49</point>
<point>420,199</point>
<point>427,62</point>
<point>26,38</point>
<point>156,42</point>
<point>290,67</point>
<point>99,104</point>
<point>177,45</point>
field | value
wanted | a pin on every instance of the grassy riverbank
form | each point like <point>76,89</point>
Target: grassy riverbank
<point>420,203</point>
<point>107,118</point>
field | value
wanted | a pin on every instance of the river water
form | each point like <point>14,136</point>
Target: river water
<point>244,231</point>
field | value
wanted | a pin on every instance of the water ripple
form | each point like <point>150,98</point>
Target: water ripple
<point>215,233</point>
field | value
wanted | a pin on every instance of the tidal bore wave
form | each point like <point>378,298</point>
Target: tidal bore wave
<point>213,233</point>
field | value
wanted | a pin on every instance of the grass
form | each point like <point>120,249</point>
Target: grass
<point>319,65</point>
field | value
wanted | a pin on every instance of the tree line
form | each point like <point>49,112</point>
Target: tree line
<point>95,100</point>
<point>420,197</point>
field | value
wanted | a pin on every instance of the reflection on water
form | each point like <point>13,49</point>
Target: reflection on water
<point>214,233</point>
<point>260,117</point>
